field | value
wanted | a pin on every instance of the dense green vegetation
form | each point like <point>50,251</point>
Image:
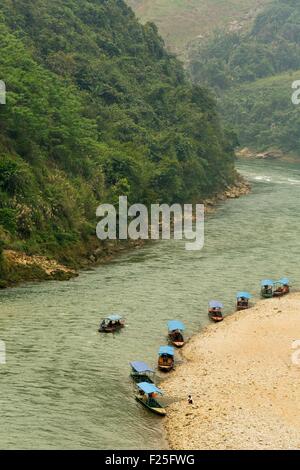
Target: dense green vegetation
<point>96,108</point>
<point>263,114</point>
<point>252,74</point>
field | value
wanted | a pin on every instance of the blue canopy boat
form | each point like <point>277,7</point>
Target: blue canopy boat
<point>175,334</point>
<point>242,300</point>
<point>166,358</point>
<point>111,324</point>
<point>147,397</point>
<point>215,311</point>
<point>281,287</point>
<point>141,372</point>
<point>267,286</point>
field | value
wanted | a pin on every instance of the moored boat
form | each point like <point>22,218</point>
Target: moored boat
<point>141,372</point>
<point>175,333</point>
<point>281,287</point>
<point>111,324</point>
<point>148,397</point>
<point>243,300</point>
<point>267,287</point>
<point>215,311</point>
<point>166,358</point>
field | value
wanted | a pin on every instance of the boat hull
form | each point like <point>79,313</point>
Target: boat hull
<point>165,369</point>
<point>239,308</point>
<point>165,366</point>
<point>280,294</point>
<point>267,295</point>
<point>178,342</point>
<point>215,319</point>
<point>215,316</point>
<point>110,329</point>
<point>160,411</point>
<point>137,378</point>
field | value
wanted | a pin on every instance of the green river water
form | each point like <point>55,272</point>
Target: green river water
<point>66,386</point>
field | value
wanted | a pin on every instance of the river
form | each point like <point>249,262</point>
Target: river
<point>66,386</point>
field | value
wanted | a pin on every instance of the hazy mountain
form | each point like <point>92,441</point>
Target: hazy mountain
<point>182,21</point>
<point>252,74</point>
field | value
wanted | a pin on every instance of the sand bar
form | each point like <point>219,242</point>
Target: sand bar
<point>244,376</point>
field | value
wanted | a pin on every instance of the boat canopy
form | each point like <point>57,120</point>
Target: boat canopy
<point>243,295</point>
<point>168,350</point>
<point>149,388</point>
<point>141,367</point>
<point>114,317</point>
<point>267,282</point>
<point>284,281</point>
<point>215,304</point>
<point>175,325</point>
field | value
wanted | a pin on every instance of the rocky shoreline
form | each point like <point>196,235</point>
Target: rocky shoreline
<point>21,267</point>
<point>244,377</point>
<point>241,188</point>
<point>270,155</point>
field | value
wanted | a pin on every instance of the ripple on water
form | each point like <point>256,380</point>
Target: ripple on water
<point>65,386</point>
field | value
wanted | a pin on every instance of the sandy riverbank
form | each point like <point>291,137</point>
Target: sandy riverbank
<point>245,386</point>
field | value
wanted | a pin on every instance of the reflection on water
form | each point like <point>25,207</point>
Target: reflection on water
<point>64,385</point>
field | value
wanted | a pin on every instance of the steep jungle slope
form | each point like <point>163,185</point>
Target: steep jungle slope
<point>263,115</point>
<point>95,108</point>
<point>252,74</point>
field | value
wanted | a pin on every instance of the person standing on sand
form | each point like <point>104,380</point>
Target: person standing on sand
<point>190,400</point>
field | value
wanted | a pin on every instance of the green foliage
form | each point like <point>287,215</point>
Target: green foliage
<point>271,47</point>
<point>241,66</point>
<point>8,219</point>
<point>263,114</point>
<point>96,108</point>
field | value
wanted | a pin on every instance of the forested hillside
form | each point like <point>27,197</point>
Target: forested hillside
<point>96,108</point>
<point>252,73</point>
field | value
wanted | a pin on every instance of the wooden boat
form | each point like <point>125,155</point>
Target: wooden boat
<point>281,288</point>
<point>242,300</point>
<point>141,372</point>
<point>175,333</point>
<point>166,358</point>
<point>111,324</point>
<point>267,287</point>
<point>215,311</point>
<point>148,398</point>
